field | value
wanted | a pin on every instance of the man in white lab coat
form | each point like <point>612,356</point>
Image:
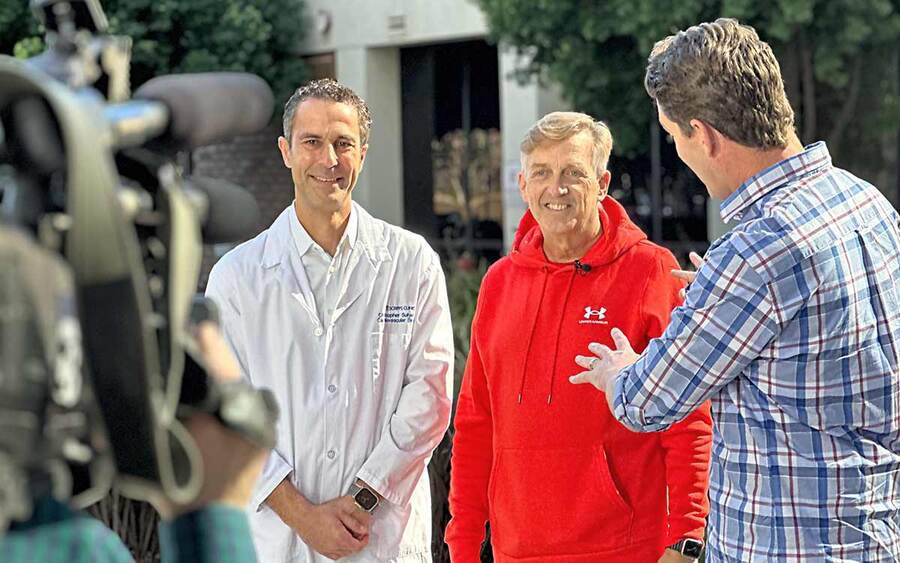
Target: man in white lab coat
<point>345,318</point>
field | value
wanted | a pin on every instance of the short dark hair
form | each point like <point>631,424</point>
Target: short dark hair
<point>333,91</point>
<point>723,74</point>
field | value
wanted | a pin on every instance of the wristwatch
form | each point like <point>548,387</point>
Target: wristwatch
<point>364,497</point>
<point>689,547</point>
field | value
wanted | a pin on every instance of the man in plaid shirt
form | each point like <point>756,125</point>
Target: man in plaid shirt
<point>791,325</point>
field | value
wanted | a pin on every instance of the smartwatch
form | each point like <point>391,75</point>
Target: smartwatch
<point>689,547</point>
<point>364,497</point>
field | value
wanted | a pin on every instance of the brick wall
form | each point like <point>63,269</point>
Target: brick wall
<point>254,163</point>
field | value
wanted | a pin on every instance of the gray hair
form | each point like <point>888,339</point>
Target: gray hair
<point>560,125</point>
<point>332,91</point>
<point>724,75</point>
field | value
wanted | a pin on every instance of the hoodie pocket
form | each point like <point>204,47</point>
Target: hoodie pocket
<point>556,501</point>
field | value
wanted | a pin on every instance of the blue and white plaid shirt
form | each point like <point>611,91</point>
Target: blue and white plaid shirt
<point>792,328</point>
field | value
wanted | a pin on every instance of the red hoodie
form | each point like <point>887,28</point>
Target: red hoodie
<point>559,479</point>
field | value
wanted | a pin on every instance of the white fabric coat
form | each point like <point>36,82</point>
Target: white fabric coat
<point>366,393</point>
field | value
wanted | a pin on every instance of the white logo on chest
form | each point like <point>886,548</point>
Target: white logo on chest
<point>594,316</point>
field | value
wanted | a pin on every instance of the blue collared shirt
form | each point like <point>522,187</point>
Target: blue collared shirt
<point>792,329</point>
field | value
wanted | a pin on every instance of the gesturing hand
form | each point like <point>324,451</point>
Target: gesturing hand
<point>688,275</point>
<point>603,366</point>
<point>337,528</point>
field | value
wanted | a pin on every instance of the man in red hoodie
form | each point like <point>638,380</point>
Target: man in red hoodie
<point>557,477</point>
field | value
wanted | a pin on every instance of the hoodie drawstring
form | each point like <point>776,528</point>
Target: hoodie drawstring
<point>562,316</point>
<point>531,335</point>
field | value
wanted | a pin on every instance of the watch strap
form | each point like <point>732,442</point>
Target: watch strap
<point>689,547</point>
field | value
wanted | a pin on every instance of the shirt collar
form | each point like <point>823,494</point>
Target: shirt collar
<point>813,158</point>
<point>303,242</point>
<point>352,230</point>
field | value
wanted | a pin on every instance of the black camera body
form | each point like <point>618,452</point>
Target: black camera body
<point>99,204</point>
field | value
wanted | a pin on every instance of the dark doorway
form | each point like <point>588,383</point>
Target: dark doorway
<point>451,146</point>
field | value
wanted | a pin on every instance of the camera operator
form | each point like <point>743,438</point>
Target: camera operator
<point>101,232</point>
<point>213,528</point>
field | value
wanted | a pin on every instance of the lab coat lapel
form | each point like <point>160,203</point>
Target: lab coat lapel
<point>368,256</point>
<point>277,259</point>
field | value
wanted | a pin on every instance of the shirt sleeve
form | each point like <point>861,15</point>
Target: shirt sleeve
<point>686,444</point>
<point>213,534</point>
<point>725,323</point>
<point>471,462</point>
<point>220,288</point>
<point>423,411</point>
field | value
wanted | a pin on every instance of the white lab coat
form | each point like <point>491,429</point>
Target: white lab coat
<point>365,394</point>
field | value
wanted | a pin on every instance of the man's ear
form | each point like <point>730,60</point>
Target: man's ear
<point>285,149</point>
<point>709,137</point>
<point>604,180</point>
<point>363,151</point>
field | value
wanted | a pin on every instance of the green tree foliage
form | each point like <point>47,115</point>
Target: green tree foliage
<point>19,31</point>
<point>839,58</point>
<point>174,36</point>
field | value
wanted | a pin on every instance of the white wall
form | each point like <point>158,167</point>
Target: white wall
<point>356,23</point>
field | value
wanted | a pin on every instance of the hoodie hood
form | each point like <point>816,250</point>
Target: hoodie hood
<point>619,235</point>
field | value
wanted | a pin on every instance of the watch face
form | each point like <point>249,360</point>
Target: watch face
<point>692,548</point>
<point>366,499</point>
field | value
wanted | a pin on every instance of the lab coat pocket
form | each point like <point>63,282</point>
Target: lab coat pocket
<point>388,351</point>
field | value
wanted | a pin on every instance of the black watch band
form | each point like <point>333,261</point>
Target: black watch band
<point>689,547</point>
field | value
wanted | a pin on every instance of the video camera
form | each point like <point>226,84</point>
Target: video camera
<point>101,237</point>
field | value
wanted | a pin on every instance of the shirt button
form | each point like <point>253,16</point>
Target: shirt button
<point>318,331</point>
<point>331,270</point>
<point>332,388</point>
<point>331,454</point>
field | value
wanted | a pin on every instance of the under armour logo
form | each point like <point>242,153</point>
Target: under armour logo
<point>599,313</point>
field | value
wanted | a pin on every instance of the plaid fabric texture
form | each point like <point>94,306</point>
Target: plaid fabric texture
<point>792,328</point>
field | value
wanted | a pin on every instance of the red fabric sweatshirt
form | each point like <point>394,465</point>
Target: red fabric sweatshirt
<point>559,479</point>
